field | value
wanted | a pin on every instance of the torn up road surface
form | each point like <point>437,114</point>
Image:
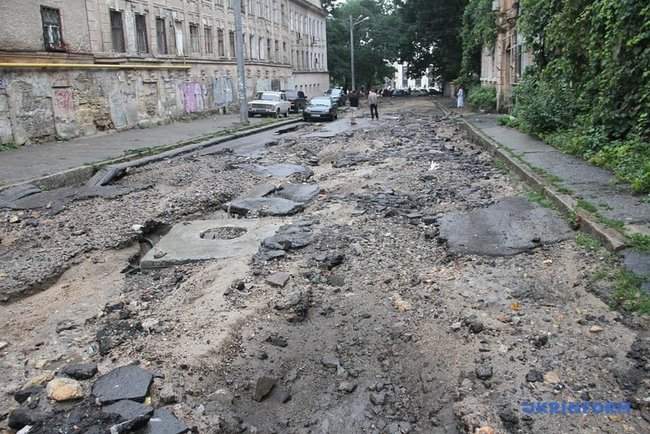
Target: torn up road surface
<point>416,290</point>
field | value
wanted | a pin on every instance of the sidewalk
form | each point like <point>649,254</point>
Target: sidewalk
<point>597,189</point>
<point>613,204</point>
<point>29,162</point>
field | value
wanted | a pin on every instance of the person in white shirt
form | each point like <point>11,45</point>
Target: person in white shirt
<point>372,102</point>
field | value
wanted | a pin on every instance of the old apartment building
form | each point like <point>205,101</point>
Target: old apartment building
<point>503,64</point>
<point>71,68</point>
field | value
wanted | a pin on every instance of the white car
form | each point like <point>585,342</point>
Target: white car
<point>269,104</point>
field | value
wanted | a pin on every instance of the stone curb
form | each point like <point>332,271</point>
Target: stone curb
<point>613,240</point>
<point>79,175</point>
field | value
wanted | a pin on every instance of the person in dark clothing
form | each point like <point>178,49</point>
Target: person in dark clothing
<point>372,102</point>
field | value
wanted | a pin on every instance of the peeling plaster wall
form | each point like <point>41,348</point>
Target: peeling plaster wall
<point>46,105</point>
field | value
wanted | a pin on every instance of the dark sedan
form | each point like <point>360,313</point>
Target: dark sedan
<point>321,107</point>
<point>297,99</point>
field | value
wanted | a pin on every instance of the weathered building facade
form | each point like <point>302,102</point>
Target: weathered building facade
<point>70,68</point>
<point>503,64</point>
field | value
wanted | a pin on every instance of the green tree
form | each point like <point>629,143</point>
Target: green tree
<point>479,30</point>
<point>430,36</point>
<point>375,42</point>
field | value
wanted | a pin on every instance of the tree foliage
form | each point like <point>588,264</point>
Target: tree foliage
<point>479,30</point>
<point>430,36</point>
<point>375,42</point>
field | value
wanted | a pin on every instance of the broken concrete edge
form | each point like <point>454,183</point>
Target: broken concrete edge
<point>79,175</point>
<point>612,239</point>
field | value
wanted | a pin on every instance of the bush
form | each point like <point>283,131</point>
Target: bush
<point>483,98</point>
<point>543,105</point>
<point>508,121</point>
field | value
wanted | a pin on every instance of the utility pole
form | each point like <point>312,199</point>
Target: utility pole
<point>241,69</point>
<point>354,87</point>
<point>352,24</point>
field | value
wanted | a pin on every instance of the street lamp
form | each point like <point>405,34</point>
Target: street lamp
<point>353,23</point>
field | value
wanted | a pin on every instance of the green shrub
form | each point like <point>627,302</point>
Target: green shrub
<point>543,106</point>
<point>508,121</point>
<point>483,98</point>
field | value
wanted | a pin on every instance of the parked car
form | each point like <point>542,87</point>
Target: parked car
<point>297,99</point>
<point>321,107</point>
<point>433,91</point>
<point>400,92</point>
<point>337,95</point>
<point>269,104</point>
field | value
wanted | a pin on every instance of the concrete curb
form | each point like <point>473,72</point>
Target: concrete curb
<point>613,240</point>
<point>79,175</point>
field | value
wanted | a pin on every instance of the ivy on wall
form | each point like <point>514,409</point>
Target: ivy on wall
<point>479,30</point>
<point>589,92</point>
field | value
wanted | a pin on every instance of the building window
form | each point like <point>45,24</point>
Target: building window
<point>209,44</point>
<point>251,43</point>
<point>117,32</point>
<point>231,40</point>
<point>221,46</point>
<point>277,51</point>
<point>161,36</point>
<point>194,38</point>
<point>52,29</point>
<point>179,40</point>
<point>141,33</point>
<point>260,48</point>
<point>268,49</point>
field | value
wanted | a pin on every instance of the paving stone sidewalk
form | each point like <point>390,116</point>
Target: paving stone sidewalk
<point>595,187</point>
<point>33,161</point>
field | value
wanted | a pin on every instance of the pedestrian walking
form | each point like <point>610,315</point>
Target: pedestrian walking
<point>460,98</point>
<point>372,102</point>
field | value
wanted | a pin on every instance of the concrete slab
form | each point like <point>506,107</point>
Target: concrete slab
<point>302,193</point>
<point>263,206</point>
<point>617,204</point>
<point>510,226</point>
<point>184,242</point>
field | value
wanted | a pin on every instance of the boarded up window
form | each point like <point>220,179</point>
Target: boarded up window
<point>141,33</point>
<point>161,36</point>
<point>52,36</point>
<point>117,32</point>
<point>178,29</point>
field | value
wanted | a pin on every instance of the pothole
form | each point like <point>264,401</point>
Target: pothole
<point>223,233</point>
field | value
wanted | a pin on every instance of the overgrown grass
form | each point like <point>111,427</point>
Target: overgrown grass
<point>639,242</point>
<point>587,206</point>
<point>8,146</point>
<point>501,166</point>
<point>587,242</point>
<point>593,209</point>
<point>539,198</point>
<point>628,159</point>
<point>627,293</point>
<point>508,121</point>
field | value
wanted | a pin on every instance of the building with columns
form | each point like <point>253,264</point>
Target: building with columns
<point>71,68</point>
